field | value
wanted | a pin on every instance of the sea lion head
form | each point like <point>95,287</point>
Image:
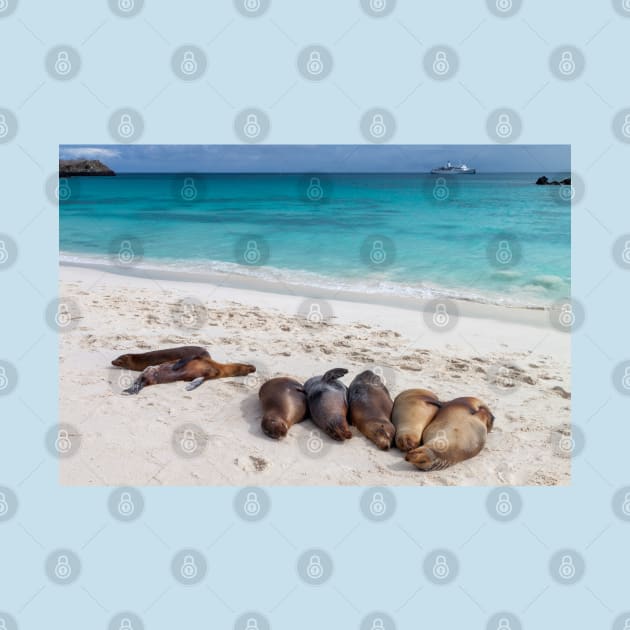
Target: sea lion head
<point>274,427</point>
<point>123,361</point>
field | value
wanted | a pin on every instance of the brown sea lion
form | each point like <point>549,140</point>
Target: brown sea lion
<point>370,409</point>
<point>196,370</point>
<point>412,412</point>
<point>327,401</point>
<point>458,432</point>
<point>284,404</point>
<point>143,360</point>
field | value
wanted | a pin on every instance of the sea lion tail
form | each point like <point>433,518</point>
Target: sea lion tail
<point>135,387</point>
<point>334,374</point>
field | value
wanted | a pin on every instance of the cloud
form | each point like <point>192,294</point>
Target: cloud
<point>89,153</point>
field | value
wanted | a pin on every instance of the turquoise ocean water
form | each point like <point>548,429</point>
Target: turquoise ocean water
<point>487,237</point>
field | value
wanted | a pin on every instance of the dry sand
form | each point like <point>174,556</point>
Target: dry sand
<point>511,359</point>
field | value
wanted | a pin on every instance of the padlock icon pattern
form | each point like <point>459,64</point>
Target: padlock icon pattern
<point>63,318</point>
<point>504,254</point>
<point>4,379</point>
<point>189,65</point>
<point>378,129</point>
<point>441,318</point>
<point>188,442</point>
<point>567,63</point>
<point>126,505</point>
<point>126,5</point>
<point>625,254</point>
<point>126,128</point>
<point>252,254</point>
<point>315,191</point>
<point>378,255</point>
<point>566,317</point>
<point>503,377</point>
<point>315,315</point>
<point>314,444</point>
<point>504,624</point>
<point>315,65</point>
<point>504,504</point>
<point>625,506</point>
<point>189,570</point>
<point>440,189</point>
<point>378,507</point>
<point>378,5</point>
<point>567,570</point>
<point>566,192</point>
<point>189,190</point>
<point>64,192</point>
<point>566,444</point>
<point>626,5</point>
<point>4,506</point>
<point>126,254</point>
<point>441,570</point>
<point>251,5</point>
<point>378,624</point>
<point>125,624</point>
<point>504,5</point>
<point>504,126</point>
<point>252,504</point>
<point>63,443</point>
<point>188,316</point>
<point>63,65</point>
<point>251,624</point>
<point>4,254</point>
<point>4,128</point>
<point>440,442</point>
<point>625,128</point>
<point>62,569</point>
<point>252,127</point>
<point>314,569</point>
<point>625,381</point>
<point>441,65</point>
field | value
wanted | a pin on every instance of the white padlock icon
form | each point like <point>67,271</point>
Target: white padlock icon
<point>566,444</point>
<point>63,66</point>
<point>252,5</point>
<point>189,190</point>
<point>126,5</point>
<point>377,126</point>
<point>504,624</point>
<point>315,192</point>
<point>4,506</point>
<point>4,254</point>
<point>63,570</point>
<point>440,189</point>
<point>64,192</point>
<point>252,504</point>
<point>440,442</point>
<point>504,253</point>
<point>189,315</point>
<point>441,570</point>
<point>63,443</point>
<point>625,255</point>
<point>251,624</point>
<point>378,255</point>
<point>188,442</point>
<point>567,568</point>
<point>314,444</point>
<point>126,128</point>
<point>126,506</point>
<point>4,380</point>
<point>252,253</point>
<point>504,5</point>
<point>504,504</point>
<point>567,63</point>
<point>441,318</point>
<point>625,507</point>
<point>504,126</point>
<point>440,63</point>
<point>125,253</point>
<point>378,5</point>
<point>315,315</point>
<point>377,504</point>
<point>378,624</point>
<point>567,316</point>
<point>315,65</point>
<point>626,5</point>
<point>189,568</point>
<point>625,128</point>
<point>125,624</point>
<point>189,64</point>
<point>63,318</point>
<point>4,128</point>
<point>315,570</point>
<point>252,127</point>
<point>625,381</point>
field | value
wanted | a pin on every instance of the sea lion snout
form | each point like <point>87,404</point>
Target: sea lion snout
<point>120,361</point>
<point>274,427</point>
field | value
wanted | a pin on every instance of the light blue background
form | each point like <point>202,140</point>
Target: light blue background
<point>252,62</point>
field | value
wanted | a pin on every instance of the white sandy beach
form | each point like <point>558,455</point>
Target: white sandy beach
<point>128,440</point>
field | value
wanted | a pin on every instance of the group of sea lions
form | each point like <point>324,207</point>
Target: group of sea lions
<point>434,434</point>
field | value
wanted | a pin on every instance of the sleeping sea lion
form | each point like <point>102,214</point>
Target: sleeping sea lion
<point>284,404</point>
<point>196,370</point>
<point>327,401</point>
<point>139,362</point>
<point>458,432</point>
<point>371,408</point>
<point>413,410</point>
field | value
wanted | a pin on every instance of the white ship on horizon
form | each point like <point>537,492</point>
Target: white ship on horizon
<point>451,169</point>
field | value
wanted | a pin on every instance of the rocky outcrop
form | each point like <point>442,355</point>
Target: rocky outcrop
<point>544,181</point>
<point>74,168</point>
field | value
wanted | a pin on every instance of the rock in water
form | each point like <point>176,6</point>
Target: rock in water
<point>73,168</point>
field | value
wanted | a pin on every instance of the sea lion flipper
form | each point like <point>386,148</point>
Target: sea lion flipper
<point>195,383</point>
<point>135,387</point>
<point>334,374</point>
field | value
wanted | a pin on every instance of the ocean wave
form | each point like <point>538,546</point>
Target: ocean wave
<point>276,278</point>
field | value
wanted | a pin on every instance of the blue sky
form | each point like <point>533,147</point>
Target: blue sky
<point>153,158</point>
